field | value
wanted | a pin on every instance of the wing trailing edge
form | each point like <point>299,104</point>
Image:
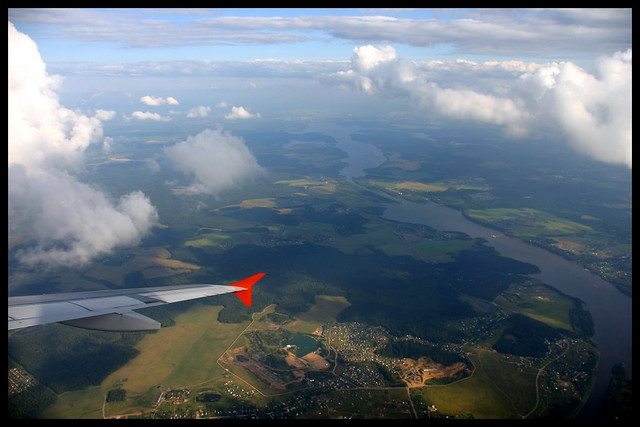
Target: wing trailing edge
<point>116,322</point>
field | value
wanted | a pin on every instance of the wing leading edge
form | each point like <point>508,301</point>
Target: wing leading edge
<point>112,310</point>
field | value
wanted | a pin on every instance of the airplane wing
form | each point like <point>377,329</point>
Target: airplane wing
<point>112,310</point>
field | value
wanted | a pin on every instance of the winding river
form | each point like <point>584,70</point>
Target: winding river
<point>609,308</point>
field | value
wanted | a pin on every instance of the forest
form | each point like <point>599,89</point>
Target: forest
<point>524,336</point>
<point>414,350</point>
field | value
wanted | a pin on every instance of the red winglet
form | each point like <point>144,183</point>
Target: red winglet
<point>247,284</point>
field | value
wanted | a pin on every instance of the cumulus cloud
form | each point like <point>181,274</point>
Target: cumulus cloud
<point>73,222</point>
<point>104,115</point>
<point>240,113</point>
<point>65,221</point>
<point>201,111</point>
<point>367,57</point>
<point>593,112</point>
<point>216,160</point>
<point>149,116</point>
<point>41,132</point>
<point>470,105</point>
<point>378,70</point>
<point>374,69</point>
<point>154,101</point>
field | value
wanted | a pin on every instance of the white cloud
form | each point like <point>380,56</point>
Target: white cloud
<point>240,113</point>
<point>471,105</point>
<point>377,70</point>
<point>217,161</point>
<point>41,132</point>
<point>367,57</point>
<point>592,112</point>
<point>201,111</point>
<point>103,115</point>
<point>65,221</point>
<point>479,31</point>
<point>154,101</point>
<point>72,221</point>
<point>106,144</point>
<point>149,116</point>
<point>242,70</point>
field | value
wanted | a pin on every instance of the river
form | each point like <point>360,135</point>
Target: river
<point>609,308</point>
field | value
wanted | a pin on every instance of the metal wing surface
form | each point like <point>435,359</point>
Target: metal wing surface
<point>112,310</point>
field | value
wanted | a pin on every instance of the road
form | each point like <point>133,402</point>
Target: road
<point>540,373</point>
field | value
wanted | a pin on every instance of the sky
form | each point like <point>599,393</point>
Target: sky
<point>117,36</point>
<point>73,73</point>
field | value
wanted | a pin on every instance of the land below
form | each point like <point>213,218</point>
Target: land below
<point>402,320</point>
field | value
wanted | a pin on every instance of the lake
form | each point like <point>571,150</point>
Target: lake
<point>304,344</point>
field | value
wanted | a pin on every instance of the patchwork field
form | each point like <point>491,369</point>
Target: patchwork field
<point>527,223</point>
<point>428,187</point>
<point>326,186</point>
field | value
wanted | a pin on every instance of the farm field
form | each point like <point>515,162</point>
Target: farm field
<point>527,222</point>
<point>497,389</point>
<point>538,302</point>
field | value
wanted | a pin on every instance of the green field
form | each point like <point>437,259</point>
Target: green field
<point>427,187</point>
<point>497,389</point>
<point>383,238</point>
<point>82,404</point>
<point>538,302</point>
<point>325,310</point>
<point>527,222</point>
<point>324,186</point>
<point>175,357</point>
<point>209,239</point>
<point>183,354</point>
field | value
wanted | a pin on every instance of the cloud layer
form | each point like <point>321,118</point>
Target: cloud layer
<point>592,111</point>
<point>65,221</point>
<point>216,160</point>
<point>478,31</point>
